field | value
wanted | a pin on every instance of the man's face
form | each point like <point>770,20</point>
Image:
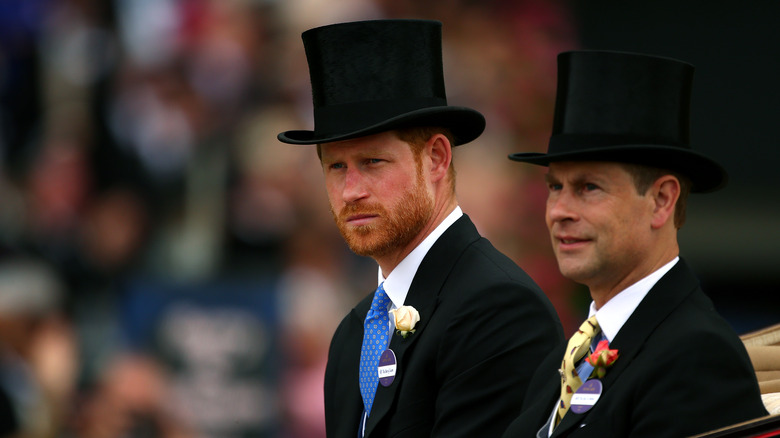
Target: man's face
<point>378,194</point>
<point>599,225</point>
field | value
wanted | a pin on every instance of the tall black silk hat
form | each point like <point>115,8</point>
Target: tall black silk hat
<point>626,107</point>
<point>373,76</point>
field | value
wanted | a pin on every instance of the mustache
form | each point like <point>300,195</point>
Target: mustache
<point>355,209</point>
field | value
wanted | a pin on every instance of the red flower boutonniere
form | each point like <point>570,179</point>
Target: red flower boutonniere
<point>602,358</point>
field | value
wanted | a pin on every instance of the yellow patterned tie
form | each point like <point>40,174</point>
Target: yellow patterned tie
<point>579,344</point>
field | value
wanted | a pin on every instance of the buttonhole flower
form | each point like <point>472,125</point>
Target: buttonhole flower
<point>602,358</point>
<point>406,317</point>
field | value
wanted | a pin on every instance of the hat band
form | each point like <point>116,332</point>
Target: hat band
<point>355,116</point>
<point>566,143</point>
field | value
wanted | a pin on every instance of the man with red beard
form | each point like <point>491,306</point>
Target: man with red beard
<point>446,344</point>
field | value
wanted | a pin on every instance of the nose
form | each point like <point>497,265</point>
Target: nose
<point>560,207</point>
<point>354,186</point>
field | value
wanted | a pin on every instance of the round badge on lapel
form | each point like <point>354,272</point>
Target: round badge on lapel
<point>387,367</point>
<point>586,396</point>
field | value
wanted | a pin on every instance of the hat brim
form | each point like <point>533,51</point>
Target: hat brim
<point>705,174</point>
<point>465,124</point>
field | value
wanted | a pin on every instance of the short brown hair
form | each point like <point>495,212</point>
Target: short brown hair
<point>416,137</point>
<point>645,176</point>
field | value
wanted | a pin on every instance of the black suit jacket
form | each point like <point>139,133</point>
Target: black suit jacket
<point>483,326</point>
<point>681,371</point>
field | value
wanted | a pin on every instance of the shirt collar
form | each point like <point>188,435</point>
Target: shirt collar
<point>615,312</point>
<point>398,282</point>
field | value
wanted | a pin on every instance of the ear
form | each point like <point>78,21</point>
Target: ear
<point>665,192</point>
<point>440,153</point>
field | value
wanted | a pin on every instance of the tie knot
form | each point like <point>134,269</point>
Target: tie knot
<point>381,300</point>
<point>590,327</point>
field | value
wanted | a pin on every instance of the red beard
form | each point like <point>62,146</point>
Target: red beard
<point>392,229</point>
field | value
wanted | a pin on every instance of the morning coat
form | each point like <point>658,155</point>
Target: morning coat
<point>681,370</point>
<point>484,325</point>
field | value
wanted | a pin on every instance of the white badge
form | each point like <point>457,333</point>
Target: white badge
<point>387,367</point>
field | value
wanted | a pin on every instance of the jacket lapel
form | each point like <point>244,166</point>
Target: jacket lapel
<point>662,299</point>
<point>423,294</point>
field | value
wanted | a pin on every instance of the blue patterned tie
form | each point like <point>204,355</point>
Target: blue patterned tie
<point>375,333</point>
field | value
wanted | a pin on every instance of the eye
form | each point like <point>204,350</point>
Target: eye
<point>374,160</point>
<point>335,166</point>
<point>554,187</point>
<point>589,187</point>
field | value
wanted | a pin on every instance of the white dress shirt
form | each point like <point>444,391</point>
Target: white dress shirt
<point>615,312</point>
<point>397,283</point>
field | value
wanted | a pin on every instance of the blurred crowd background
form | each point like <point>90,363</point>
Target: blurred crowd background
<point>169,269</point>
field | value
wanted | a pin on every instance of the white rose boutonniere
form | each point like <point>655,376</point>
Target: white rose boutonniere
<point>406,317</point>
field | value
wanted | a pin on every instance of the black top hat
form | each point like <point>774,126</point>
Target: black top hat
<point>626,107</point>
<point>374,76</point>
